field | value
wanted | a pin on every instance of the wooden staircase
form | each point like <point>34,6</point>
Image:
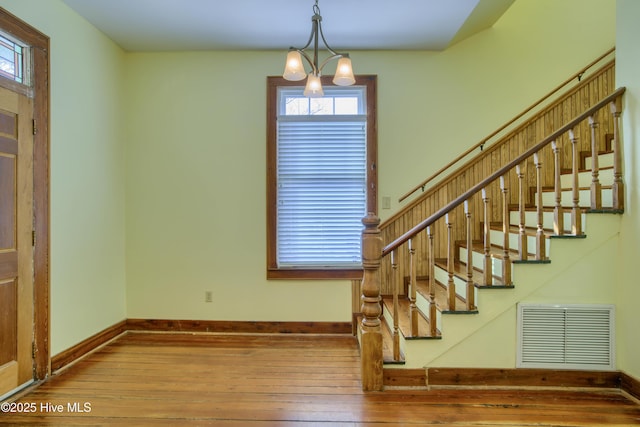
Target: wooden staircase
<point>496,252</point>
<point>445,264</point>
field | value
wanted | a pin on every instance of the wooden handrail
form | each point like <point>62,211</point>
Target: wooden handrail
<point>500,172</point>
<point>506,125</point>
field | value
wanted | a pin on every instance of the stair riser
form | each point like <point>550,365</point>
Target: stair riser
<point>443,277</point>
<point>478,261</point>
<point>423,305</point>
<point>497,240</point>
<point>496,263</point>
<point>549,198</point>
<point>604,161</point>
<point>605,177</point>
<point>531,220</point>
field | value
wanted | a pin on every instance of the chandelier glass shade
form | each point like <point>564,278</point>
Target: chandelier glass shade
<point>295,67</point>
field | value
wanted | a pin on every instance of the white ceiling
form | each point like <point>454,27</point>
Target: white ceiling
<point>170,25</point>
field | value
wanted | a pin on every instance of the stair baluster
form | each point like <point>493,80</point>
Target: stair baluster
<point>396,311</point>
<point>576,211</point>
<point>432,280</point>
<point>413,289</point>
<point>451,284</point>
<point>618,185</point>
<point>471,302</point>
<point>523,251</point>
<point>540,244</point>
<point>596,187</point>
<point>487,265</point>
<point>558,212</point>
<point>506,261</point>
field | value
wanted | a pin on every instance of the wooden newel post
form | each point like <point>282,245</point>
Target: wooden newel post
<point>371,332</point>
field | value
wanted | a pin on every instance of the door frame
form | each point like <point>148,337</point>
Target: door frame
<point>39,44</point>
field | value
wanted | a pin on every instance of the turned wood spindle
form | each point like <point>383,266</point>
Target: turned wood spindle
<point>413,289</point>
<point>523,250</point>
<point>576,212</point>
<point>487,264</point>
<point>506,261</point>
<point>451,284</point>
<point>396,311</point>
<point>540,242</point>
<point>432,282</point>
<point>596,187</point>
<point>558,211</point>
<point>471,301</point>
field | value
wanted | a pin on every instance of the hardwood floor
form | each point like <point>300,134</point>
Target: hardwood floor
<point>149,379</point>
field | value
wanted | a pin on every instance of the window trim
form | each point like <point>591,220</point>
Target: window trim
<point>273,272</point>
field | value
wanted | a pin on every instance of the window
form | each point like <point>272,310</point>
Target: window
<point>321,178</point>
<point>12,60</point>
<point>321,175</point>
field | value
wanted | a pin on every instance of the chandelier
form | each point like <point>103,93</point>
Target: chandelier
<point>294,68</point>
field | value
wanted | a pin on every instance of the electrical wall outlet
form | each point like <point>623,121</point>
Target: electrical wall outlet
<point>386,202</point>
<point>208,296</point>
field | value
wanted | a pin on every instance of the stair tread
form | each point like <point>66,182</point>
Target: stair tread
<point>600,168</point>
<point>495,251</point>
<point>585,169</point>
<point>532,208</point>
<point>404,321</point>
<point>529,231</point>
<point>551,189</point>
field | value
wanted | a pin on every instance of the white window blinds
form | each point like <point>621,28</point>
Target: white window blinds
<point>321,190</point>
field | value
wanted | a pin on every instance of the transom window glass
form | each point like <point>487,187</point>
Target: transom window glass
<point>11,60</point>
<point>321,177</point>
<point>292,103</point>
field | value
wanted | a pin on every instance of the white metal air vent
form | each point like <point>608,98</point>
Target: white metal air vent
<point>566,337</point>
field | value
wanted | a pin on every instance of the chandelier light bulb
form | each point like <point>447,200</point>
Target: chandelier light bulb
<point>314,87</point>
<point>344,73</point>
<point>294,68</point>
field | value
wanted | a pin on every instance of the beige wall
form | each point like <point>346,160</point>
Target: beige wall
<point>196,194</point>
<point>196,152</point>
<point>627,72</point>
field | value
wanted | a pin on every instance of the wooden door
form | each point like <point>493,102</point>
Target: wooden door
<point>16,241</point>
